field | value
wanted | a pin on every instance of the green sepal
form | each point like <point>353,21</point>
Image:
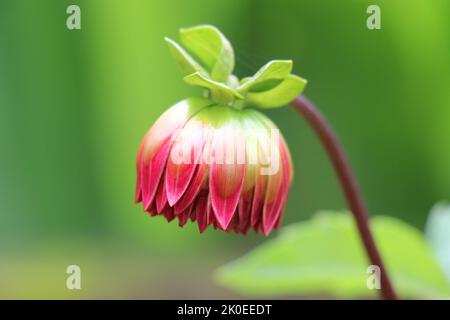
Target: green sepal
<point>278,96</point>
<point>272,72</point>
<point>219,92</point>
<point>207,60</point>
<point>187,64</point>
<point>212,49</point>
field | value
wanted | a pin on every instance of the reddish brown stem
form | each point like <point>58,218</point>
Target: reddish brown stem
<point>349,186</point>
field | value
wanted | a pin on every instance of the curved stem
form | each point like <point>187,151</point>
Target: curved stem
<point>348,184</point>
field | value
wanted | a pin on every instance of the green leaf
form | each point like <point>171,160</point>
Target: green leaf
<point>279,95</point>
<point>438,234</point>
<point>273,70</point>
<point>325,256</point>
<point>206,51</point>
<point>219,91</point>
<point>265,85</point>
<point>187,64</point>
<point>212,49</point>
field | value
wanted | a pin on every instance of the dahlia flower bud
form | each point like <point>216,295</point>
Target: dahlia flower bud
<point>215,159</point>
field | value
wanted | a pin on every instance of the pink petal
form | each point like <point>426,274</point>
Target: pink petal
<point>139,163</point>
<point>272,208</point>
<point>193,215</point>
<point>276,193</point>
<point>257,227</point>
<point>158,142</point>
<point>225,185</point>
<point>184,216</point>
<point>244,211</point>
<point>193,189</point>
<point>183,160</point>
<point>161,198</point>
<point>234,223</point>
<point>287,164</point>
<point>152,209</point>
<point>198,180</point>
<point>155,170</point>
<point>258,199</point>
<point>177,180</point>
<point>168,214</point>
<point>226,178</point>
<point>145,173</point>
<point>280,216</point>
<point>202,213</point>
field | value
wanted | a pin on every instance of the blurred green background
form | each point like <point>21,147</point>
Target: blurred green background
<point>74,105</point>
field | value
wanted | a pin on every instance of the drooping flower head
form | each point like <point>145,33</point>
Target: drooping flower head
<point>215,159</point>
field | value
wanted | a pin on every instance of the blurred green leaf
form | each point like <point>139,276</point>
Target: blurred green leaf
<point>212,48</point>
<point>324,256</point>
<point>438,234</point>
<point>278,96</point>
<point>273,70</point>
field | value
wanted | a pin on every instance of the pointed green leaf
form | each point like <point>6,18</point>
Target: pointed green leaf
<point>280,95</point>
<point>273,71</point>
<point>438,234</point>
<point>212,49</point>
<point>325,256</point>
<point>187,64</point>
<point>219,91</point>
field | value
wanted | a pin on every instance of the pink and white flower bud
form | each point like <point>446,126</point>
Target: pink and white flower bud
<point>214,164</point>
